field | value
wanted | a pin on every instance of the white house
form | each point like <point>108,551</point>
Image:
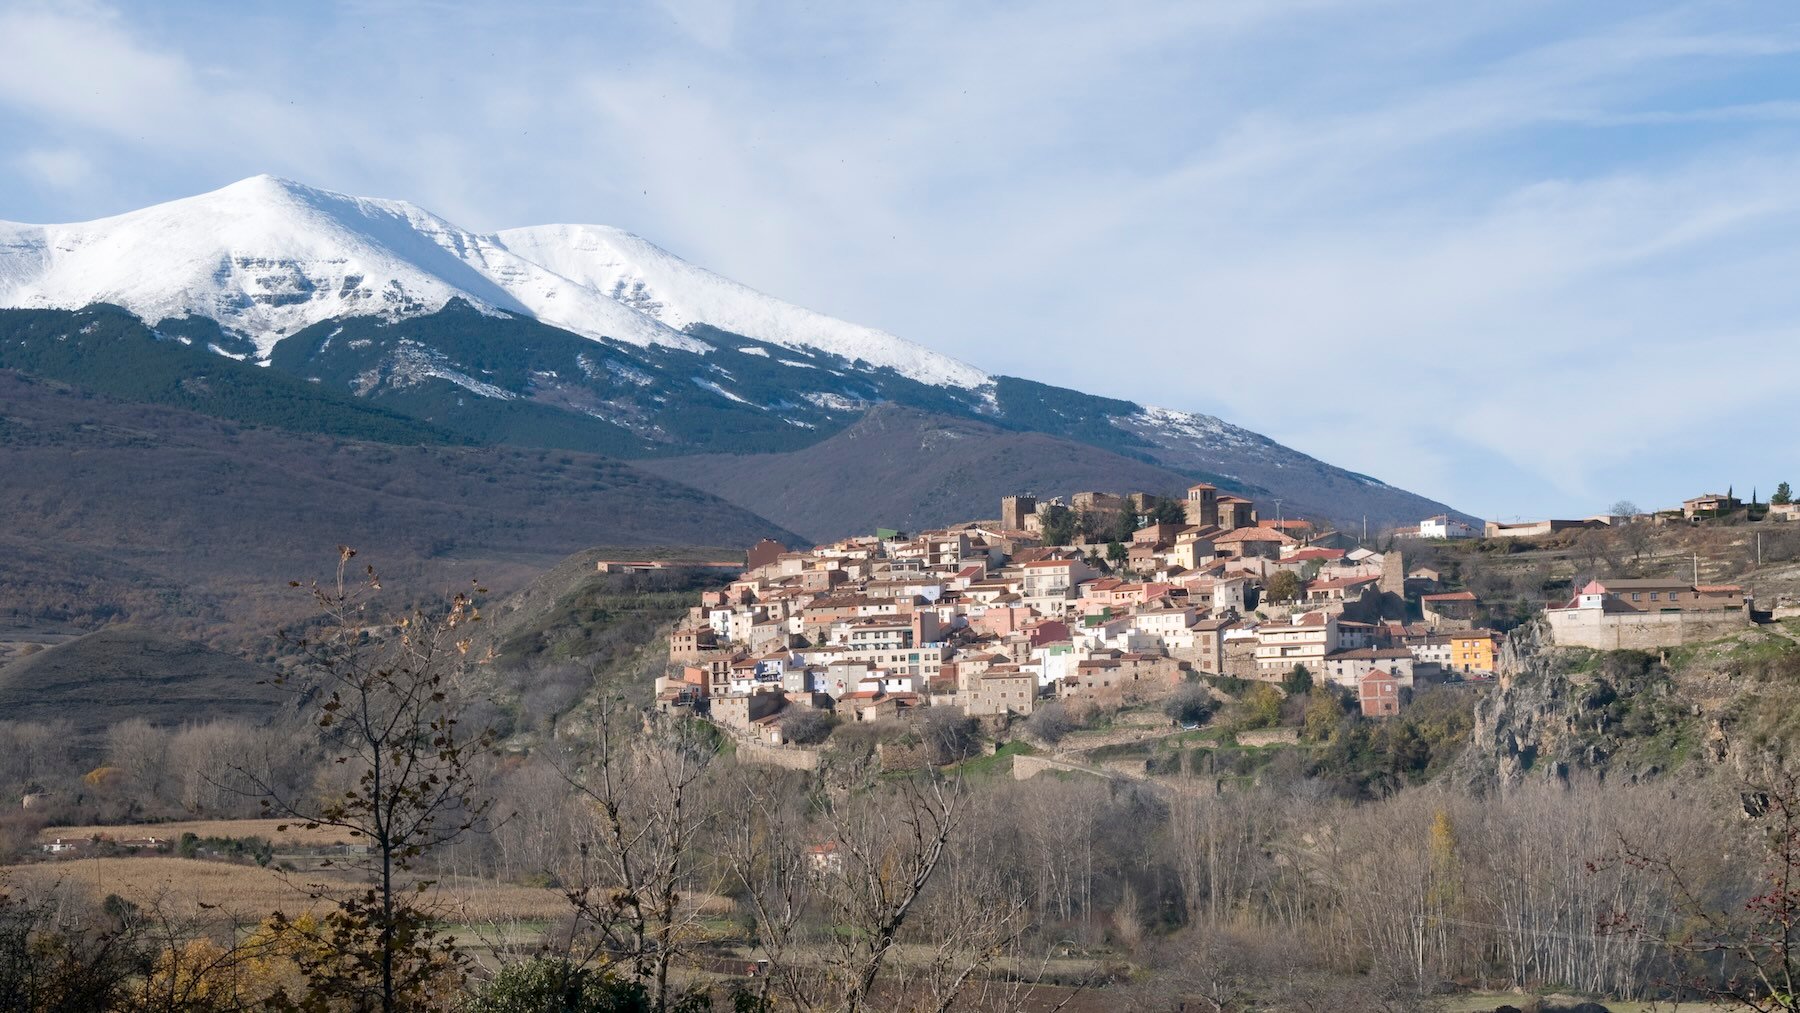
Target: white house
<point>1444,527</point>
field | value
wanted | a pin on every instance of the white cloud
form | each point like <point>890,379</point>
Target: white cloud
<point>58,168</point>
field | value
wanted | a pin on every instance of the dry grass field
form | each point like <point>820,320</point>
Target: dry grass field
<point>295,836</point>
<point>250,892</point>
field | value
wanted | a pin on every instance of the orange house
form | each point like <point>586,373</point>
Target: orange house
<point>1474,652</point>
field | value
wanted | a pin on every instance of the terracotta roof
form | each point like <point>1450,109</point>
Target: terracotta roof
<point>1450,596</point>
<point>1369,654</point>
<point>1313,553</point>
<point>1718,588</point>
<point>1255,535</point>
<point>1336,582</point>
<point>1285,525</point>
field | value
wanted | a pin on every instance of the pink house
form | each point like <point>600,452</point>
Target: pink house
<point>1380,695</point>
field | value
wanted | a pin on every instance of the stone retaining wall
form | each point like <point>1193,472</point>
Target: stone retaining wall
<point>791,757</point>
<point>1616,631</point>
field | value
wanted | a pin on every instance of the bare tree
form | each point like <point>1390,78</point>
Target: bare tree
<point>859,875</point>
<point>385,713</point>
<point>1743,946</point>
<point>215,766</point>
<point>142,749</point>
<point>641,865</point>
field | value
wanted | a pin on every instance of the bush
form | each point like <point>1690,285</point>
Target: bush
<point>1050,723</point>
<point>1284,585</point>
<point>1297,682</point>
<point>804,726</point>
<point>1190,705</point>
<point>949,735</point>
<point>1260,708</point>
<point>548,984</point>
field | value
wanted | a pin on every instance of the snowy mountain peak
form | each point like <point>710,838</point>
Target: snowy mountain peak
<point>267,257</point>
<point>655,282</point>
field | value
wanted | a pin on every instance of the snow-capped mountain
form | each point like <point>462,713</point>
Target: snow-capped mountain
<point>267,257</point>
<point>671,290</point>
<point>578,337</point>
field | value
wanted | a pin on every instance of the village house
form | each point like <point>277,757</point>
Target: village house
<point>1000,690</point>
<point>1246,542</point>
<point>1347,668</point>
<point>1475,652</point>
<point>1450,609</point>
<point>824,859</point>
<point>1710,504</point>
<point>1379,695</point>
<point>1116,673</point>
<point>740,710</point>
<point>1647,614</point>
<point>870,706</point>
<point>1443,527</point>
<point>1236,512</point>
<point>1306,640</point>
<point>1202,644</point>
<point>1338,590</point>
<point>1048,583</point>
<point>1431,652</point>
<point>1665,595</point>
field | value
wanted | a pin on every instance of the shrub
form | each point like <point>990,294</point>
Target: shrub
<point>548,984</point>
<point>1050,723</point>
<point>804,726</point>
<point>1189,705</point>
<point>949,735</point>
<point>1297,682</point>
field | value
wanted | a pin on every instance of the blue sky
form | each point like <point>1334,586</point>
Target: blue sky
<point>1528,258</point>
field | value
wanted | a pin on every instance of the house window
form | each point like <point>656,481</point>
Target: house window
<point>1653,596</point>
<point>1636,597</point>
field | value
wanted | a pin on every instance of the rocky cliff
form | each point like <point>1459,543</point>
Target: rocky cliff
<point>1558,712</point>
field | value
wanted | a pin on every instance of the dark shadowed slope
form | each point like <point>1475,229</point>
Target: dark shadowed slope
<point>150,492</point>
<point>908,469</point>
<point>119,673</point>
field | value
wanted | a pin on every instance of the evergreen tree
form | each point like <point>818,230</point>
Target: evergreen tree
<point>1298,682</point>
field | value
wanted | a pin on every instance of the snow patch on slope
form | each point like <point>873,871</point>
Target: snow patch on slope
<point>706,384</point>
<point>412,364</point>
<point>1206,430</point>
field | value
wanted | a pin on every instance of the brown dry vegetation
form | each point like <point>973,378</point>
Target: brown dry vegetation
<point>252,892</point>
<point>295,836</point>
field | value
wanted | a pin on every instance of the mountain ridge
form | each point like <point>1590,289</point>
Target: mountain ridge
<point>582,338</point>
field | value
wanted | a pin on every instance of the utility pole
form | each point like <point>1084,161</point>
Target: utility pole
<point>1696,569</point>
<point>1759,550</point>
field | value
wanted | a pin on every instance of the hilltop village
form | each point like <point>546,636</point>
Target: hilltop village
<point>1110,597</point>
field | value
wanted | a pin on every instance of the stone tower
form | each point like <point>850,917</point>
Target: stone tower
<point>1014,510</point>
<point>1393,573</point>
<point>1203,505</point>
